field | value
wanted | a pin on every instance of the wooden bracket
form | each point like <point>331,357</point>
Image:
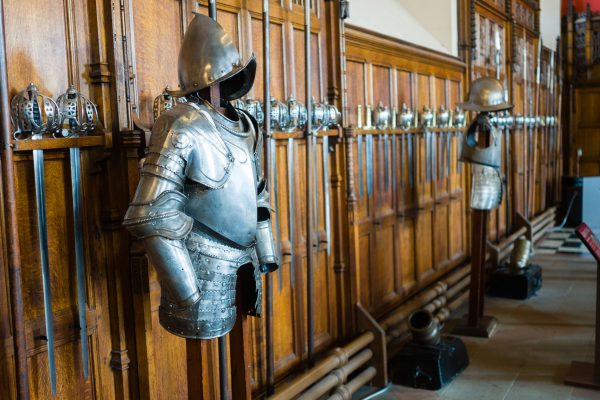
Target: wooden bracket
<point>494,252</point>
<point>378,346</point>
<point>524,222</point>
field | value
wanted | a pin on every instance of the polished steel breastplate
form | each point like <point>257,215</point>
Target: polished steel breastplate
<point>229,212</point>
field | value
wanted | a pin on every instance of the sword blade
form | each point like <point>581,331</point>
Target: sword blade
<point>40,197</point>
<point>291,152</point>
<point>394,163</point>
<point>273,183</point>
<point>448,152</point>
<point>386,162</point>
<point>360,166</point>
<point>79,258</point>
<point>411,178</point>
<point>326,194</point>
<point>459,155</point>
<point>315,194</point>
<point>369,145</point>
<point>427,155</point>
<point>434,163</point>
<point>402,166</point>
<point>507,169</point>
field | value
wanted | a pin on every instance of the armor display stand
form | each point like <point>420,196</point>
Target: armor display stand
<point>476,324</point>
<point>238,342</point>
<point>587,374</point>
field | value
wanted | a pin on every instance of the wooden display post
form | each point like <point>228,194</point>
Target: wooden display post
<point>587,374</point>
<point>475,323</point>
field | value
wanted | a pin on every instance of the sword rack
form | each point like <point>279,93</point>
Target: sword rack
<point>60,143</point>
<point>40,123</point>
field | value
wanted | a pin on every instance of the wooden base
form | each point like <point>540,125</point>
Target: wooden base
<point>485,328</point>
<point>582,374</point>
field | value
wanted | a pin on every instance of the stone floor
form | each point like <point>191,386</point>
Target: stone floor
<point>534,343</point>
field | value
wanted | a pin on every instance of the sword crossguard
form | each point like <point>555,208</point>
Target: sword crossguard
<point>33,114</point>
<point>78,115</point>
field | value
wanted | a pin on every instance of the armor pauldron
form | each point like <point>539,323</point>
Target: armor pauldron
<point>192,149</point>
<point>162,216</point>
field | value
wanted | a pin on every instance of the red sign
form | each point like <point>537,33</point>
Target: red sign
<point>579,6</point>
<point>589,239</point>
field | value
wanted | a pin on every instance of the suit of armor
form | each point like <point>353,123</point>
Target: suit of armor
<point>202,210</point>
<point>486,95</point>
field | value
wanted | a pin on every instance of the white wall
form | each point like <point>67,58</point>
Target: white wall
<point>550,22</point>
<point>428,23</point>
<point>433,23</point>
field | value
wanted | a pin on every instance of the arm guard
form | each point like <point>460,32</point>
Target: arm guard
<point>156,214</point>
<point>265,243</point>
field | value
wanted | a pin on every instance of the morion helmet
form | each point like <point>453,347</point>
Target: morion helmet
<point>209,56</point>
<point>486,94</point>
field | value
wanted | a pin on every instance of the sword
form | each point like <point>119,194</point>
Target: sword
<point>507,159</point>
<point>395,166</point>
<point>79,259</point>
<point>426,119</point>
<point>291,173</point>
<point>326,189</point>
<point>411,178</point>
<point>395,163</point>
<point>316,193</point>
<point>360,166</point>
<point>369,155</point>
<point>380,153</point>
<point>459,136</point>
<point>40,120</point>
<point>448,152</point>
<point>40,200</point>
<point>434,163</point>
<point>274,188</point>
<point>427,154</point>
<point>79,116</point>
<point>386,162</point>
<point>402,166</point>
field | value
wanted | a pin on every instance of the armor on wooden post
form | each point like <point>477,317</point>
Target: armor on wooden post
<point>201,208</point>
<point>485,96</point>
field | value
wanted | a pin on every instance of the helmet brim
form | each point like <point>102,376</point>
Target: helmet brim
<point>233,85</point>
<point>468,106</point>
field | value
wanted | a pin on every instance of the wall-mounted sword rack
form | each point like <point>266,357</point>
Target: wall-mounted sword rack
<point>387,128</point>
<point>41,123</point>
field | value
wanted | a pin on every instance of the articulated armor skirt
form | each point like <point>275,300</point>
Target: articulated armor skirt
<point>217,267</point>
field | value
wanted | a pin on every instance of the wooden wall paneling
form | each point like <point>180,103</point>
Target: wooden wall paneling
<point>440,227</point>
<point>424,220</point>
<point>455,187</point>
<point>405,95</point>
<point>8,371</point>
<point>53,55</point>
<point>417,80</point>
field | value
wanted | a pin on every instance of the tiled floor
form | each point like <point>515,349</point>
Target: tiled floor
<point>562,241</point>
<point>534,343</point>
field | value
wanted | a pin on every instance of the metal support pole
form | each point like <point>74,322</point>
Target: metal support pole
<point>309,186</point>
<point>11,231</point>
